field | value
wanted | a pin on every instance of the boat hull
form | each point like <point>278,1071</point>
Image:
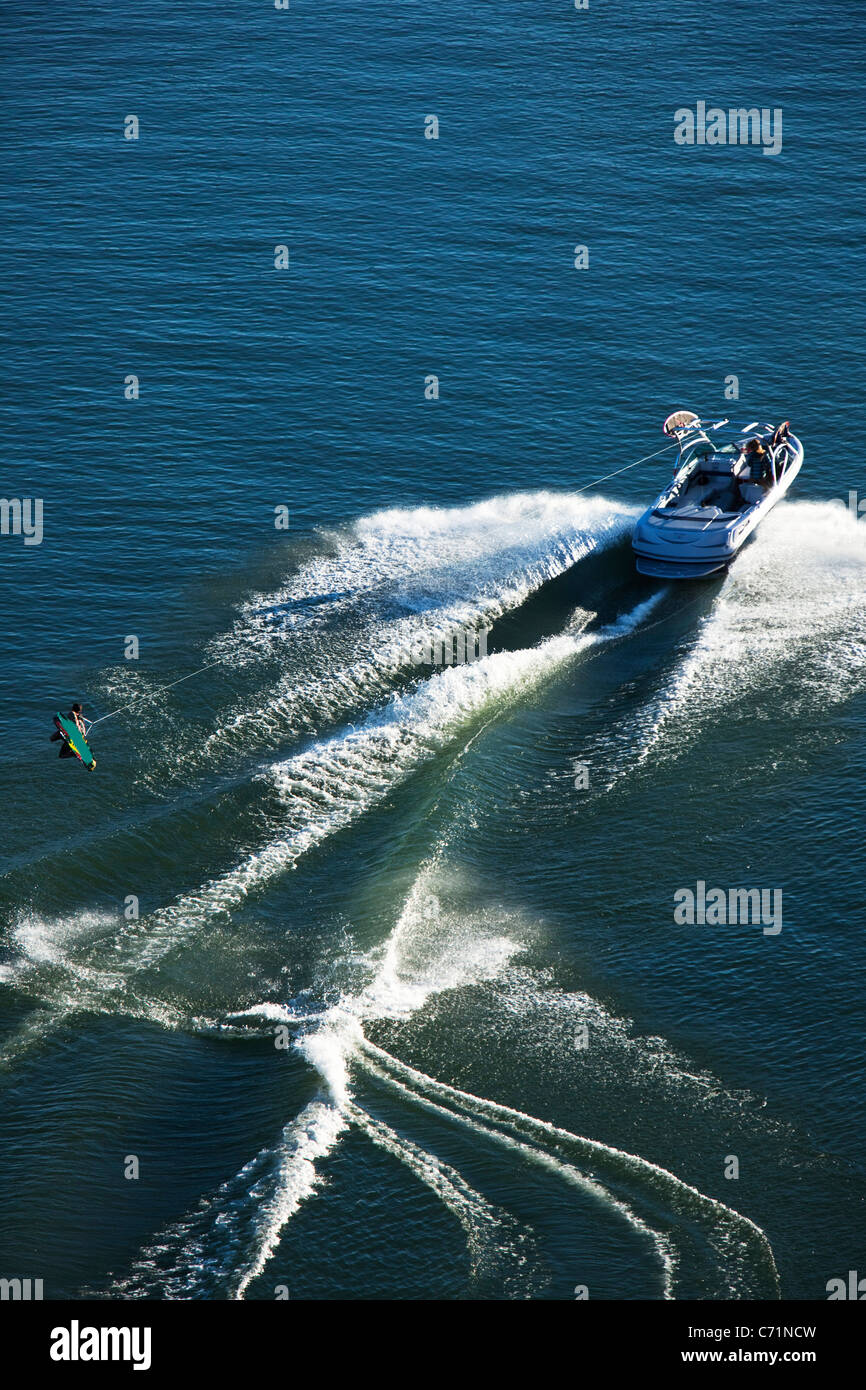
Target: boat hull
<point>672,569</point>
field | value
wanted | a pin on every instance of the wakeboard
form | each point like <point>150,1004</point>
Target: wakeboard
<point>76,740</point>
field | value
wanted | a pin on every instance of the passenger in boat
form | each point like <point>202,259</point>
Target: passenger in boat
<point>780,445</point>
<point>781,434</point>
<point>758,459</point>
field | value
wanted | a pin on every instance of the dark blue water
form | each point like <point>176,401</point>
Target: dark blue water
<point>507,1071</point>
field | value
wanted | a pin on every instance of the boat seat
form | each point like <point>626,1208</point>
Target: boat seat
<point>752,492</point>
<point>718,492</point>
<point>693,511</point>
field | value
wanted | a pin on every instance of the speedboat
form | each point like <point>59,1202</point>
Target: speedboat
<point>726,480</point>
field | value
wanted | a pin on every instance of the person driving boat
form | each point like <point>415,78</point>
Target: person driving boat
<point>758,460</point>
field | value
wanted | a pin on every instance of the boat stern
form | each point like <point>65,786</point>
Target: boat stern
<point>684,549</point>
<point>670,569</point>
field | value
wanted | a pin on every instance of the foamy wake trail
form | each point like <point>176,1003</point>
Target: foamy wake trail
<point>229,1239</point>
<point>329,786</point>
<point>241,1224</point>
<point>499,1247</point>
<point>191,1258</point>
<point>406,1080</point>
<point>694,1235</point>
<point>694,1241</point>
<point>60,961</point>
<point>320,792</point>
<point>401,575</point>
<point>790,621</point>
<point>427,558</point>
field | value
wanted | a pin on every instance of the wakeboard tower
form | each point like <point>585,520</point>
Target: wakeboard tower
<point>74,738</point>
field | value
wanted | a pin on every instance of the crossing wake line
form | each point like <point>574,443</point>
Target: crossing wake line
<point>88,964</point>
<point>692,1245</point>
<point>697,1245</point>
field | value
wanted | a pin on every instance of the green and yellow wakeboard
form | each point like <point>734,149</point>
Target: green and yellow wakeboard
<point>76,740</point>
